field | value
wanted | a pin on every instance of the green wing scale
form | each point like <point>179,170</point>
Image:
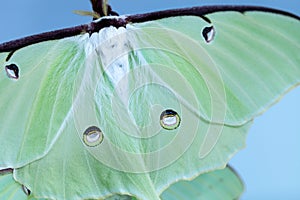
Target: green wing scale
<point>130,111</point>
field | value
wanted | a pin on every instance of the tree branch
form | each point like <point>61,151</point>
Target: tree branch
<point>138,18</point>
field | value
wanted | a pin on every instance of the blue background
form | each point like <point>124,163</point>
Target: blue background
<point>269,166</point>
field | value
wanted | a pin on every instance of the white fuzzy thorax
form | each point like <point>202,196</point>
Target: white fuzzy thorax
<point>110,46</point>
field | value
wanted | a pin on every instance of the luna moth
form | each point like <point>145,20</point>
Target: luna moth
<point>133,109</point>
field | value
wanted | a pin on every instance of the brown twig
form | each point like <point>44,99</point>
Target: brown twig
<point>138,18</point>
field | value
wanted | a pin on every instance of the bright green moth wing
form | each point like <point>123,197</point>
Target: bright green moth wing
<point>246,63</point>
<point>76,173</point>
<point>81,170</point>
<point>123,81</point>
<point>12,190</point>
<point>34,107</point>
<point>219,184</point>
<point>256,54</point>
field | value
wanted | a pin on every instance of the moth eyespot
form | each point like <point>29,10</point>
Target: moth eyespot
<point>12,71</point>
<point>92,136</point>
<point>208,33</point>
<point>169,120</point>
<point>26,190</point>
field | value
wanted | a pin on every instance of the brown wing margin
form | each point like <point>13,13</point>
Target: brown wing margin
<point>95,26</point>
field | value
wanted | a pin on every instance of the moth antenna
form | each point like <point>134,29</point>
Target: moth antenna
<point>87,13</point>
